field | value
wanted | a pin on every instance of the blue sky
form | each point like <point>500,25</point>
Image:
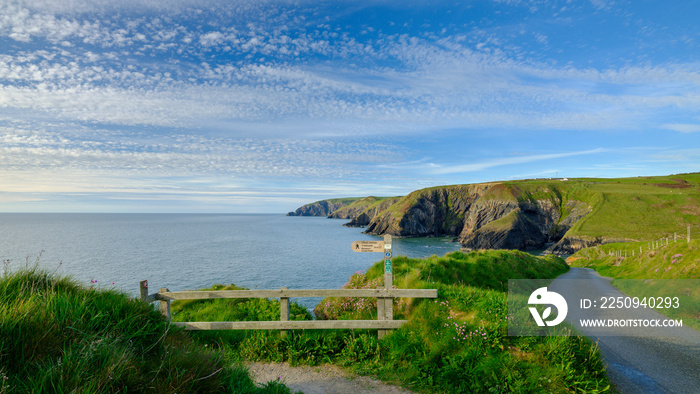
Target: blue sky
<point>262,106</point>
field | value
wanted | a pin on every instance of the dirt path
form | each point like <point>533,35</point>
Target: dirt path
<point>319,380</point>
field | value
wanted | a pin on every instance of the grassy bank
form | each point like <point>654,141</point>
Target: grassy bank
<point>58,336</point>
<point>675,260</point>
<point>457,343</point>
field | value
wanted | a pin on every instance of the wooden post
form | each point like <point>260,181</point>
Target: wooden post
<point>143,288</point>
<point>385,305</point>
<point>640,251</point>
<point>284,312</point>
<point>380,315</point>
<point>688,234</point>
<point>388,277</point>
<point>675,237</point>
<point>165,305</point>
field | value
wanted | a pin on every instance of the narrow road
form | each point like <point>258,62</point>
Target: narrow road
<point>635,364</point>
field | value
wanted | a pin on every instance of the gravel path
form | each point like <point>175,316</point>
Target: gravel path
<point>319,380</point>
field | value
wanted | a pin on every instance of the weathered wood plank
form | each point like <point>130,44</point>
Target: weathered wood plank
<point>284,312</point>
<point>293,325</point>
<point>199,295</point>
<point>151,298</point>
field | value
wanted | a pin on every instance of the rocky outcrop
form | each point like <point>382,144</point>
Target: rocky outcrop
<point>483,216</point>
<point>323,207</point>
<point>368,204</point>
<point>571,244</point>
<point>365,217</point>
<point>526,225</point>
<point>430,212</point>
<point>561,215</point>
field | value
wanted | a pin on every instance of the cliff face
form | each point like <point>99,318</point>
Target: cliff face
<point>482,216</point>
<point>365,217</point>
<point>429,212</point>
<point>563,216</point>
<point>323,207</point>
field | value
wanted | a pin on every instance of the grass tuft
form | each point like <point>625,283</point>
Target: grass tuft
<point>59,336</point>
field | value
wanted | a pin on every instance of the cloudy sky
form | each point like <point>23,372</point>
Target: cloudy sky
<point>262,106</point>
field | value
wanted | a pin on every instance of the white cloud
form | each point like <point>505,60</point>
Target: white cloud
<point>685,128</point>
<point>484,165</point>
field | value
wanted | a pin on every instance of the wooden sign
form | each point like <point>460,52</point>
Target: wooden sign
<point>368,246</point>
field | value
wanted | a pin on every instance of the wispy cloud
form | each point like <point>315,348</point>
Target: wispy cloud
<point>484,165</point>
<point>683,127</point>
<point>270,91</point>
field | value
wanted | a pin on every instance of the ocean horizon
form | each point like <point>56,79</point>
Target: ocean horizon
<point>186,251</point>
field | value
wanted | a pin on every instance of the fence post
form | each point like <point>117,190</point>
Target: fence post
<point>688,233</point>
<point>675,237</point>
<point>165,305</point>
<point>380,315</point>
<point>143,288</point>
<point>388,302</point>
<point>284,312</point>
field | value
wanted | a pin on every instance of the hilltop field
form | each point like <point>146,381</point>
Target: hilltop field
<point>562,215</point>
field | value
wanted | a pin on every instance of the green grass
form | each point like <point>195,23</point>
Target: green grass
<point>61,337</point>
<point>672,260</point>
<point>456,343</point>
<point>677,260</point>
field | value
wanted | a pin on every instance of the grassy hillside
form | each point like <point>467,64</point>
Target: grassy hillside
<point>57,336</point>
<point>457,343</point>
<point>675,260</point>
<point>583,211</point>
<point>641,208</point>
<point>668,260</point>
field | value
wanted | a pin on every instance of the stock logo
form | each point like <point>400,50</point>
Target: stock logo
<point>543,297</point>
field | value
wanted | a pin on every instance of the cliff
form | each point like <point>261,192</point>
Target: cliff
<point>323,207</point>
<point>483,216</point>
<point>562,216</point>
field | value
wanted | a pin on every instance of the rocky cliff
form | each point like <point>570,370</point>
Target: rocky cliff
<point>562,216</point>
<point>323,207</point>
<point>483,216</point>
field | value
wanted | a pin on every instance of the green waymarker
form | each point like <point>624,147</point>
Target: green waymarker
<point>387,266</point>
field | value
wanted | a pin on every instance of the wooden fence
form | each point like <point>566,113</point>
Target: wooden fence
<point>385,315</point>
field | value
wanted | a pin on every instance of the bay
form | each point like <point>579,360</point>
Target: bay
<point>194,251</point>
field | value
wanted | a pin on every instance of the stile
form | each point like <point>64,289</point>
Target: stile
<point>385,295</point>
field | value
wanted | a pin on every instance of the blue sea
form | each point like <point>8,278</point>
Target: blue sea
<point>194,251</point>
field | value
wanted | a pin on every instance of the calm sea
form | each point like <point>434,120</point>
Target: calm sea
<point>194,251</point>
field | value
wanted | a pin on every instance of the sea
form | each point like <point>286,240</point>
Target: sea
<point>196,251</point>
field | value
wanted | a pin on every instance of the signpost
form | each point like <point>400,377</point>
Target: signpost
<point>368,246</point>
<point>385,306</point>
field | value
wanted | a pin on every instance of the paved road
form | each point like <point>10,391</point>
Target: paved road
<point>636,364</point>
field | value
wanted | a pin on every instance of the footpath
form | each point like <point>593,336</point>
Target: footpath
<point>323,379</point>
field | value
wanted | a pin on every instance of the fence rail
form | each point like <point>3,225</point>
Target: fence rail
<point>384,297</point>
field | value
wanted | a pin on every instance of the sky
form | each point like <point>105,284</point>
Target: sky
<point>238,106</point>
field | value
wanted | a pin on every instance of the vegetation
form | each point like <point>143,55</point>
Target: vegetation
<point>628,208</point>
<point>633,209</point>
<point>456,343</point>
<point>58,336</point>
<point>635,260</point>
